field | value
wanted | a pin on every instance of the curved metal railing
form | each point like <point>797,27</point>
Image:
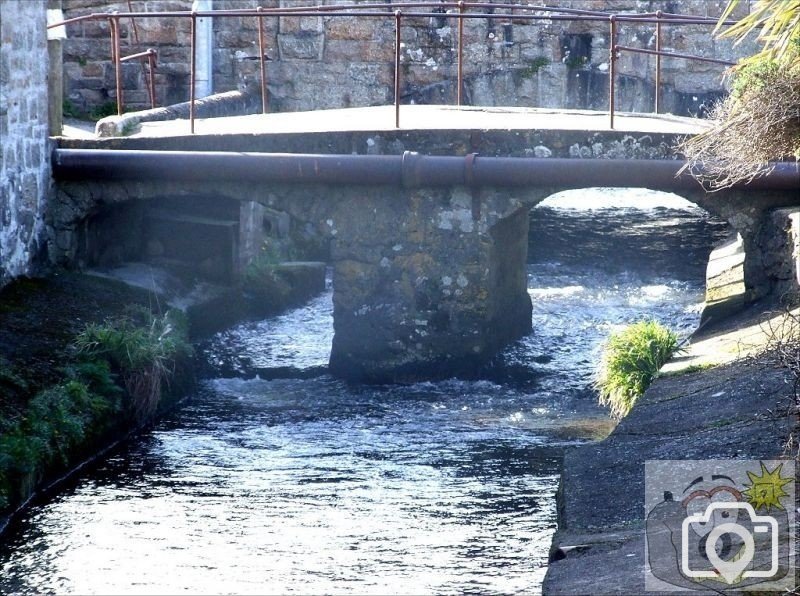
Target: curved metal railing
<point>398,11</point>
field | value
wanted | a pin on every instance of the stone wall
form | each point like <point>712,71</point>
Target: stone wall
<point>330,62</point>
<point>24,145</point>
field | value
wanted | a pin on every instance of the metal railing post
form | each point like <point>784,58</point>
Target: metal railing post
<point>133,25</point>
<point>612,68</point>
<point>460,52</point>
<point>135,39</point>
<point>658,59</point>
<point>192,72</point>
<point>115,36</point>
<point>151,62</point>
<point>262,51</point>
<point>398,15</point>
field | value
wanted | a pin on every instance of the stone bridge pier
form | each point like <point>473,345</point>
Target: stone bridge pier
<point>428,283</point>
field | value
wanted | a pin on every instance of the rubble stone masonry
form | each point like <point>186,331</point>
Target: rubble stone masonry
<point>24,145</point>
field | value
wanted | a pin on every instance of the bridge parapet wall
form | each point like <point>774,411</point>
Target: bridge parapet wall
<point>543,143</point>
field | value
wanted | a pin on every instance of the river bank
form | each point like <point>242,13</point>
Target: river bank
<point>724,398</point>
<point>63,405</point>
<point>60,408</point>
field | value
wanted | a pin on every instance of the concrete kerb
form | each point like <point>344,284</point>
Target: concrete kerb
<point>230,103</point>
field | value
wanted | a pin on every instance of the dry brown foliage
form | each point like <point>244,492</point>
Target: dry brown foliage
<point>757,124</point>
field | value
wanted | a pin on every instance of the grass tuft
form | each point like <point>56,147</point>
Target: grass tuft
<point>631,360</point>
<point>141,348</point>
<point>56,421</point>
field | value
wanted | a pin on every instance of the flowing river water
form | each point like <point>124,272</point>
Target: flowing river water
<point>306,484</point>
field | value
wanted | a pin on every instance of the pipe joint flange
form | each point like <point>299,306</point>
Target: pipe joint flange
<point>410,169</point>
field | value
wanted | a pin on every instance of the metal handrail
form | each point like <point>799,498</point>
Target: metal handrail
<point>398,11</point>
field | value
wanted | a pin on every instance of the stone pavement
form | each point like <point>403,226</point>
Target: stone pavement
<point>742,408</point>
<point>416,117</point>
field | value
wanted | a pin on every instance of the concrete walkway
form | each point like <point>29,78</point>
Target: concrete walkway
<point>418,117</point>
<point>719,401</point>
<point>728,343</point>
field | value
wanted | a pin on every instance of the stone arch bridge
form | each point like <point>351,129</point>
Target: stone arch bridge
<point>429,251</point>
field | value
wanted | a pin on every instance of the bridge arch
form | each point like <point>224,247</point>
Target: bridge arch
<point>622,231</point>
<point>210,234</point>
<point>746,256</point>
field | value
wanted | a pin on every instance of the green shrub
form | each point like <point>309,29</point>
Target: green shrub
<point>101,382</point>
<point>631,360</point>
<point>757,123</point>
<point>11,383</point>
<point>141,348</point>
<point>108,108</point>
<point>54,423</point>
<point>135,351</point>
<point>69,110</point>
<point>534,66</point>
<point>754,76</point>
<point>575,61</point>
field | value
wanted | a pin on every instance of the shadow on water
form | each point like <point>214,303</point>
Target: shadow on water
<point>312,485</point>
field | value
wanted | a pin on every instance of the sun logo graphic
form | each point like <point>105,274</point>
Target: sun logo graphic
<point>766,491</point>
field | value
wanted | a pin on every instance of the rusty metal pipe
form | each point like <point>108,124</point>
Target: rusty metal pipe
<point>151,61</point>
<point>115,35</point>
<point>138,56</point>
<point>595,17</point>
<point>211,165</point>
<point>460,54</point>
<point>133,25</point>
<point>338,9</point>
<point>658,61</point>
<point>675,55</point>
<point>135,29</point>
<point>149,56</point>
<point>409,169</point>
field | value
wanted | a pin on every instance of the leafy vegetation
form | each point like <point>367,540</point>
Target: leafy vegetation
<point>56,421</point>
<point>119,368</point>
<point>777,24</point>
<point>142,349</point>
<point>69,109</point>
<point>108,108</point>
<point>575,61</point>
<point>535,66</point>
<point>760,120</point>
<point>10,381</point>
<point>631,360</point>
<point>261,277</point>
